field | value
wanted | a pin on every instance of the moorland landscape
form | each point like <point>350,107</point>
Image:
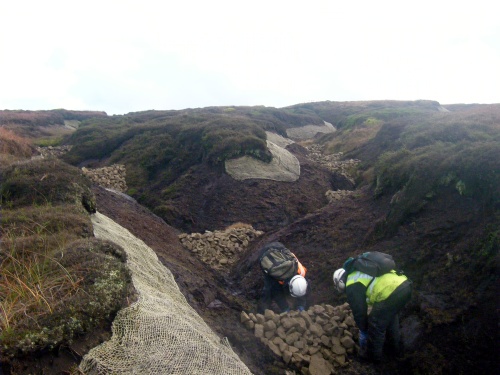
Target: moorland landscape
<point>422,182</point>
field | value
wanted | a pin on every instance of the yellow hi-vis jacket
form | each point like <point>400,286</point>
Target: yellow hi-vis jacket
<point>380,288</point>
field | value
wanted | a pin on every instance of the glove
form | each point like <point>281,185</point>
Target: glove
<point>363,340</point>
<point>300,308</point>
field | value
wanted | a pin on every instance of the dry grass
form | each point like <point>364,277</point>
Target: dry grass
<point>48,273</point>
<point>354,138</point>
<point>49,262</point>
<point>32,285</point>
<point>33,280</point>
<point>14,145</point>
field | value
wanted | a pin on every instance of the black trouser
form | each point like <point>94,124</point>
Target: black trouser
<point>384,319</point>
<point>273,290</point>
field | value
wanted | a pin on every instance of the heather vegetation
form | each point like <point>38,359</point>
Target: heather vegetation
<point>30,119</point>
<point>423,153</point>
<point>411,149</point>
<point>13,147</point>
<point>57,282</point>
<point>160,146</point>
<point>43,128</point>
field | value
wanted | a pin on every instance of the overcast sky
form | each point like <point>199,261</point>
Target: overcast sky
<point>123,56</point>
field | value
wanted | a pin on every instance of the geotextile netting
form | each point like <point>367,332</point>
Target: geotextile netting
<point>160,333</point>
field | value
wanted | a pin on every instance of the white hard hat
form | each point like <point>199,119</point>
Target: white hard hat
<point>298,286</point>
<point>338,279</point>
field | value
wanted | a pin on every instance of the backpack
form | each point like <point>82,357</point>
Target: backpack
<point>278,262</point>
<point>372,263</point>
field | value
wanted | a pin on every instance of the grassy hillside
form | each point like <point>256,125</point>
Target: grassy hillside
<point>430,174</point>
<point>57,282</point>
<point>158,147</point>
<point>413,152</point>
<point>44,127</point>
<point>411,149</point>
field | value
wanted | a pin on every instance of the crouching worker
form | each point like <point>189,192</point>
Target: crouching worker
<point>367,283</point>
<point>283,275</point>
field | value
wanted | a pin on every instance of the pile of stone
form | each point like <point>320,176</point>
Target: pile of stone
<point>220,249</point>
<point>316,341</point>
<point>333,162</point>
<point>53,151</point>
<point>112,177</point>
<point>336,195</point>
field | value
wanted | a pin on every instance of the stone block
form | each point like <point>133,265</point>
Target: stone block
<point>260,318</point>
<point>270,326</point>
<point>325,340</point>
<point>259,330</point>
<point>287,356</point>
<point>319,366</point>
<point>347,342</point>
<point>338,349</point>
<point>269,314</point>
<point>340,359</point>
<point>244,317</point>
<point>269,334</point>
<point>316,330</point>
<point>274,348</point>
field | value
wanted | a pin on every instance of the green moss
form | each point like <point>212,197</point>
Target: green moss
<point>104,284</point>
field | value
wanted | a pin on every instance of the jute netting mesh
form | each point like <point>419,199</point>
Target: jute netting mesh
<point>160,333</point>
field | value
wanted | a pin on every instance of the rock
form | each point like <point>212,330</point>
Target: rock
<point>349,321</point>
<point>244,317</point>
<point>347,342</point>
<point>287,323</point>
<point>305,315</point>
<point>112,177</point>
<point>278,340</point>
<point>259,330</point>
<point>323,332</point>
<point>269,314</point>
<point>325,340</point>
<point>280,331</point>
<point>319,366</point>
<point>219,249</point>
<point>336,341</point>
<point>290,339</point>
<point>269,326</point>
<point>260,318</point>
<point>316,330</point>
<point>318,309</point>
<point>293,349</point>
<point>299,344</point>
<point>287,356</point>
<point>340,359</point>
<point>313,350</point>
<point>338,349</point>
<point>268,334</point>
<point>275,349</point>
